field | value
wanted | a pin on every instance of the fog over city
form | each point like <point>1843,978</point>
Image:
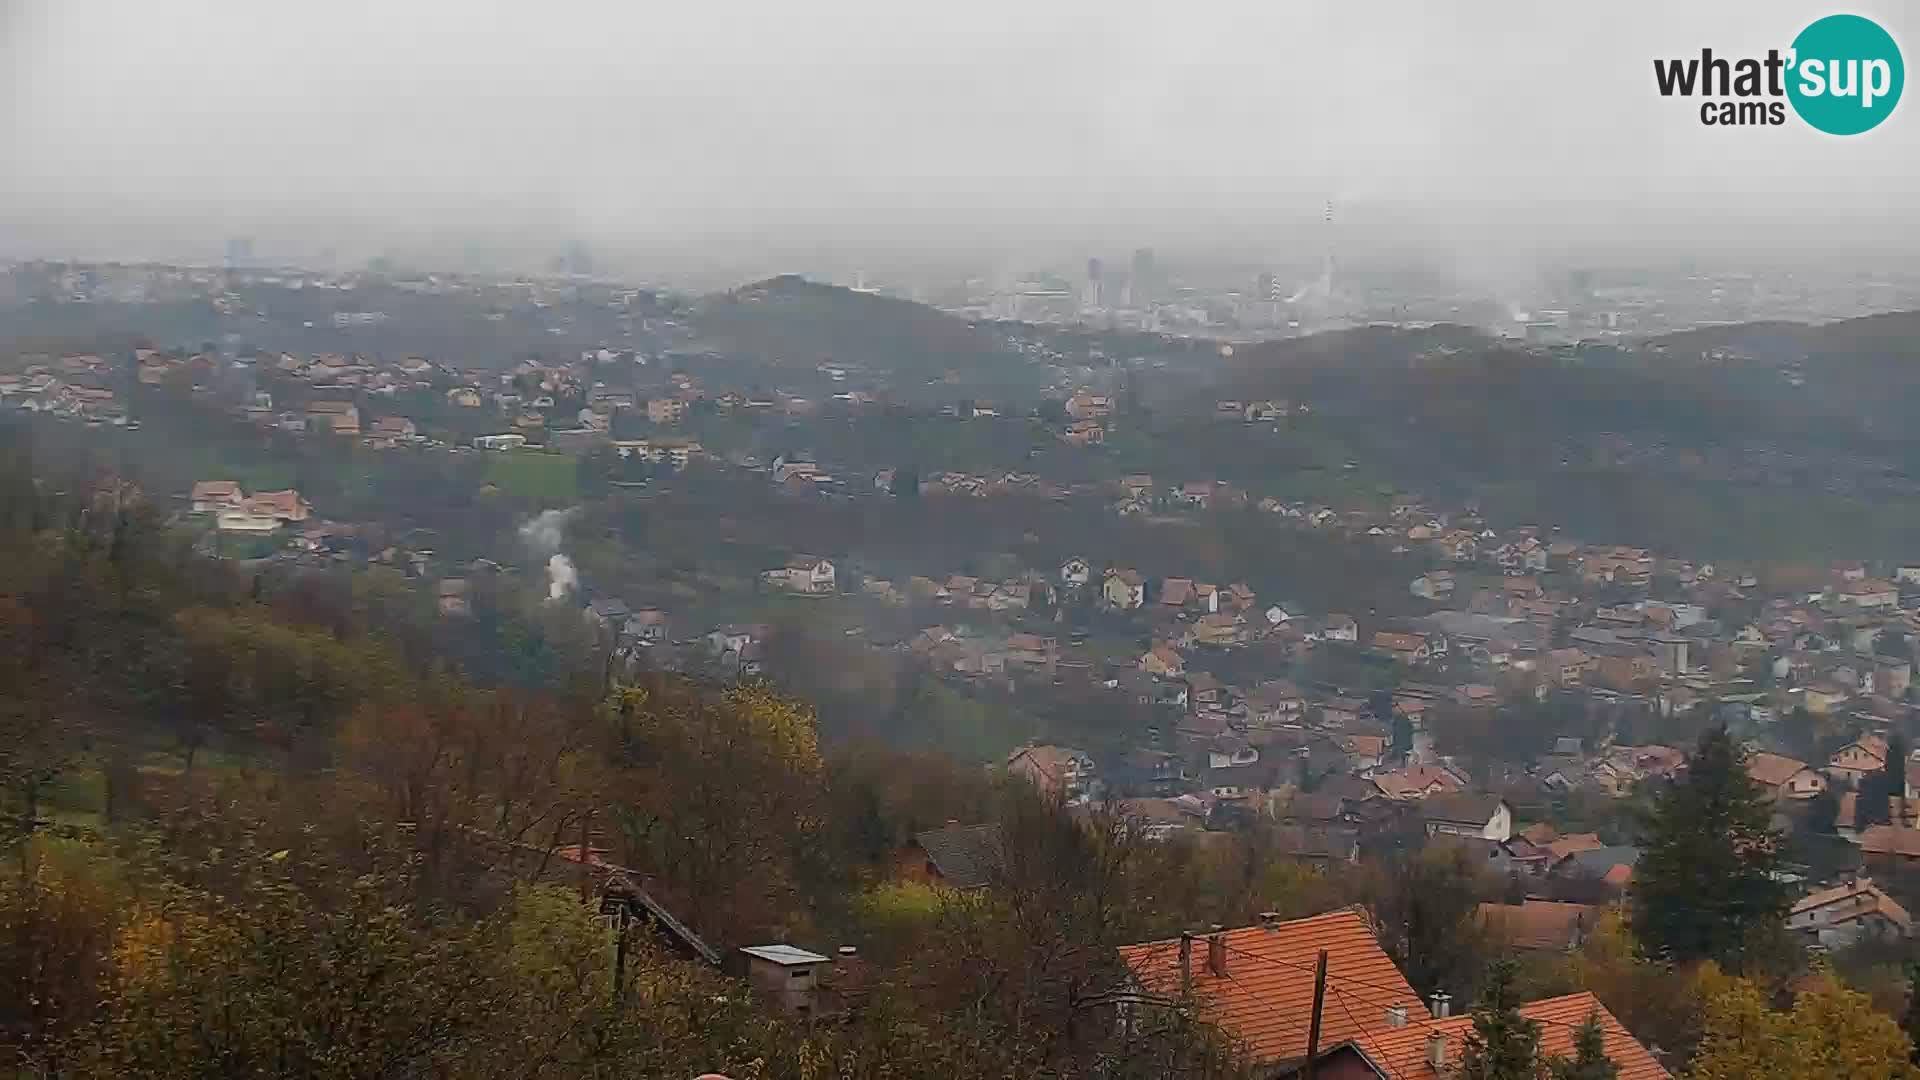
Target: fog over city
<point>686,135</point>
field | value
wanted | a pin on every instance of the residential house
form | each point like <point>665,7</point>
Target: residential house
<point>1612,865</point>
<point>1057,771</point>
<point>1467,813</point>
<point>1417,782</point>
<point>339,417</point>
<point>1869,593</point>
<point>1850,912</point>
<point>957,856</point>
<point>264,512</point>
<point>1337,627</point>
<point>1257,982</point>
<point>393,429</point>
<point>648,626</point>
<point>1220,631</point>
<point>1782,777</point>
<point>511,440</point>
<point>1434,585</point>
<point>1033,650</point>
<point>1163,662</point>
<point>1855,761</point>
<point>1124,589</point>
<point>1560,847</point>
<point>1317,845</point>
<point>1432,1050</point>
<point>213,496</point>
<point>1076,572</point>
<point>808,575</point>
<point>1084,433</point>
<point>1275,703</point>
<point>1405,648</point>
<point>1339,712</point>
<point>1175,593</point>
<point>1084,406</point>
<point>666,410</point>
<point>1539,925</point>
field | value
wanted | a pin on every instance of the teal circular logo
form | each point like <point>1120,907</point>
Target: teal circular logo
<point>1846,75</point>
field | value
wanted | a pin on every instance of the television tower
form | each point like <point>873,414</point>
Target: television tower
<point>1326,265</point>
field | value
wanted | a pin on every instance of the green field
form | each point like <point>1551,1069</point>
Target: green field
<point>534,474</point>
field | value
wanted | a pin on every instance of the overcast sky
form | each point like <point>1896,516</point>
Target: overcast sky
<point>648,124</point>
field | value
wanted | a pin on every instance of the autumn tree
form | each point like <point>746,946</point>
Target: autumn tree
<point>1830,1031</point>
<point>1424,905</point>
<point>717,793</point>
<point>1706,886</point>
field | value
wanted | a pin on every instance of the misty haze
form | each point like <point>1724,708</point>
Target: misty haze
<point>1081,540</point>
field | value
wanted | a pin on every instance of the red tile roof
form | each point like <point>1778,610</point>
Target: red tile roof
<point>1402,1052</point>
<point>1267,992</point>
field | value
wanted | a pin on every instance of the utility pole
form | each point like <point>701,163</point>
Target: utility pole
<point>1319,1003</point>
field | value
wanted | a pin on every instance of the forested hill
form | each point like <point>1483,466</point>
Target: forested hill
<point>790,322</point>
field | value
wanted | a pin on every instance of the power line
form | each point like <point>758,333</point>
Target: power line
<point>1341,1000</point>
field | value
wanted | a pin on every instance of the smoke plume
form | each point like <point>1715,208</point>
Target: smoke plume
<point>561,577</point>
<point>544,534</point>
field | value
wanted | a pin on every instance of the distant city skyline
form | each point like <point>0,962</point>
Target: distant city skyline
<point>709,140</point>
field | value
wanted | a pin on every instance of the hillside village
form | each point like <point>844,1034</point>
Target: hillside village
<point>1348,728</point>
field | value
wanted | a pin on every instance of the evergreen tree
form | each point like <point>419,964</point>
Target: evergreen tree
<point>1402,734</point>
<point>1823,811</point>
<point>1503,1044</point>
<point>1705,885</point>
<point>1876,789</point>
<point>1589,1060</point>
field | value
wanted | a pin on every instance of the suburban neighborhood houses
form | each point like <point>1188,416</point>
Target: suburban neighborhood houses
<point>1346,732</point>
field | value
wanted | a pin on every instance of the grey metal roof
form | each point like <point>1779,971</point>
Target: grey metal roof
<point>785,955</point>
<point>964,855</point>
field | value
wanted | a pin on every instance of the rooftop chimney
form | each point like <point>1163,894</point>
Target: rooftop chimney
<point>1217,952</point>
<point>1186,962</point>
<point>1441,1004</point>
<point>1436,1050</point>
<point>1270,920</point>
<point>1396,1016</point>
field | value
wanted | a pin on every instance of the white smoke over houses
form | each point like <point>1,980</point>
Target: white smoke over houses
<point>562,578</point>
<point>544,534</point>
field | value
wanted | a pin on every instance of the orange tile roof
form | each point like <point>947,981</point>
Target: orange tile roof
<point>1267,993</point>
<point>1860,896</point>
<point>1574,843</point>
<point>1889,840</point>
<point>1773,770</point>
<point>1402,1052</point>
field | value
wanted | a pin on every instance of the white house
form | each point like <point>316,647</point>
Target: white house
<point>1850,912</point>
<point>806,574</point>
<point>1466,814</point>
